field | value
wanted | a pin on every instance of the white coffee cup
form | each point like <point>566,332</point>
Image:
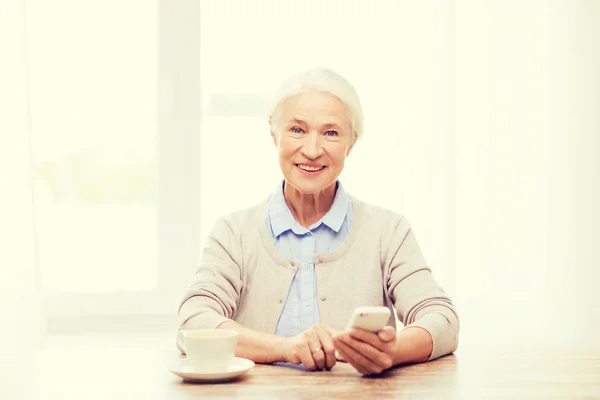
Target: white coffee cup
<point>210,350</point>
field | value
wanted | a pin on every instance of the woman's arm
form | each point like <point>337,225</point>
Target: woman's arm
<point>413,345</point>
<point>260,347</point>
<point>211,300</point>
<point>431,323</point>
<point>265,348</point>
<point>213,297</point>
<point>419,301</point>
<point>313,348</point>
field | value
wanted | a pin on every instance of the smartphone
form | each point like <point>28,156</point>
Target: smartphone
<point>371,319</point>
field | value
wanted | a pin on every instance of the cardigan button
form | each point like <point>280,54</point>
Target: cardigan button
<point>323,298</point>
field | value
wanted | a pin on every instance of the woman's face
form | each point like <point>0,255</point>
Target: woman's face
<point>313,136</point>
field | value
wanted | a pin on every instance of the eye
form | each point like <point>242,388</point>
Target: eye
<point>295,129</point>
<point>331,133</point>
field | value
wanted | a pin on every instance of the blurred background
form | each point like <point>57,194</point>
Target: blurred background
<point>127,127</point>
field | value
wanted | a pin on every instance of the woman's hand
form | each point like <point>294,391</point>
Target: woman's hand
<point>313,348</point>
<point>370,353</point>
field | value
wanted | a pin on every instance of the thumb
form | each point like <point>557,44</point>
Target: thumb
<point>387,334</point>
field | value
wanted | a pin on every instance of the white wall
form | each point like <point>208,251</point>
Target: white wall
<point>528,178</point>
<point>417,145</point>
<point>20,306</point>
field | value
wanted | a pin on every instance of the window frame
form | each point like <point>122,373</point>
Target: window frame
<point>177,173</point>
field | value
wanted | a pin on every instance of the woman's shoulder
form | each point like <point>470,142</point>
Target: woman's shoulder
<point>387,227</point>
<point>242,219</point>
<point>378,214</point>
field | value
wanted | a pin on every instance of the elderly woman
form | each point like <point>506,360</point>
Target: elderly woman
<point>286,274</point>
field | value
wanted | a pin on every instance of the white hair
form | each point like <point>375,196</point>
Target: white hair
<point>322,80</point>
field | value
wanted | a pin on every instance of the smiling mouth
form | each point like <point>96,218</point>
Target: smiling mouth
<point>309,168</point>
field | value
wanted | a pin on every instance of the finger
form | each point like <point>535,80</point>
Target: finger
<point>335,337</point>
<point>369,365</point>
<point>302,351</point>
<point>319,359</point>
<point>387,334</point>
<point>316,350</point>
<point>382,360</point>
<point>328,347</point>
<point>372,339</point>
<point>360,363</point>
<point>363,347</point>
<point>341,348</point>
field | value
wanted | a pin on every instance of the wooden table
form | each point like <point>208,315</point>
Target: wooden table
<point>136,368</point>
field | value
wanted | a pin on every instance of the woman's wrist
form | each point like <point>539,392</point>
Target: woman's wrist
<point>413,345</point>
<point>284,348</point>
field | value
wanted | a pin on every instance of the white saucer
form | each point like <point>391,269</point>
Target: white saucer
<point>238,367</point>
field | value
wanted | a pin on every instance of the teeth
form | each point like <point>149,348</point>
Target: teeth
<point>307,168</point>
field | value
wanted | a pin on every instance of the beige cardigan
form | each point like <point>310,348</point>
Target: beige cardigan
<point>242,277</point>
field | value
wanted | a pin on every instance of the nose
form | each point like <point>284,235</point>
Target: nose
<point>312,146</point>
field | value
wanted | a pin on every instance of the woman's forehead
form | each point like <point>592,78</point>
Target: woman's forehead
<point>313,99</point>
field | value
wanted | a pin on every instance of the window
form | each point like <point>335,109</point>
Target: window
<point>93,80</point>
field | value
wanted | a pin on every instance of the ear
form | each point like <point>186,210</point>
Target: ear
<point>350,148</point>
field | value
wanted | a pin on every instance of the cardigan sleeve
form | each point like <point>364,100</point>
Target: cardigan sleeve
<point>213,296</point>
<point>419,301</point>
